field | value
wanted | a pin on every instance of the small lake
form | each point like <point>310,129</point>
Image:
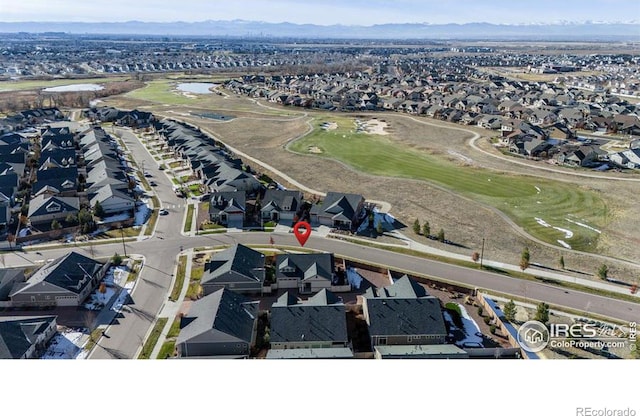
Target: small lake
<point>196,87</point>
<point>74,88</point>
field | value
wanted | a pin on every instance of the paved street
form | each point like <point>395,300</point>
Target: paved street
<point>126,335</point>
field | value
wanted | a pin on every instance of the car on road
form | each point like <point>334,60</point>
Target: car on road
<point>163,212</point>
<point>148,175</point>
<point>153,183</point>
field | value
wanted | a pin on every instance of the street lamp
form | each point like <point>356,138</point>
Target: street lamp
<point>124,247</point>
<point>482,253</point>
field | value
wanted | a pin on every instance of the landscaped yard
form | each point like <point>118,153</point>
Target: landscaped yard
<point>177,286</point>
<point>189,220</point>
<point>550,210</point>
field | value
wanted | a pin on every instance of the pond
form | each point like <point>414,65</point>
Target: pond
<point>196,87</point>
<point>74,88</point>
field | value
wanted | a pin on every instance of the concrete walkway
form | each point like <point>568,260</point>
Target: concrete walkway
<point>417,246</point>
<point>170,309</point>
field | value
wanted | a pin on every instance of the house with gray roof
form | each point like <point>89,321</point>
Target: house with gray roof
<point>338,210</point>
<point>25,337</point>
<point>43,209</point>
<point>113,198</point>
<point>228,208</point>
<point>220,325</point>
<point>403,314</point>
<point>319,323</point>
<point>66,281</point>
<point>280,205</point>
<point>238,268</point>
<point>9,278</point>
<point>307,272</point>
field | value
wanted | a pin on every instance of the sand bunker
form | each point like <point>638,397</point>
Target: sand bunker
<point>314,149</point>
<point>373,126</point>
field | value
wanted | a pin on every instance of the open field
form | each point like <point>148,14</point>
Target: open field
<point>525,199</point>
<point>262,130</point>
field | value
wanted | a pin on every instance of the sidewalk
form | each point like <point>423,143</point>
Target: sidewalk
<point>170,309</point>
<point>415,245</point>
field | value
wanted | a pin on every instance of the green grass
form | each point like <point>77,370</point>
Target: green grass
<point>174,331</point>
<point>93,338</point>
<point>189,220</point>
<point>151,224</point>
<point>177,286</point>
<point>515,195</point>
<point>160,91</point>
<point>150,344</point>
<point>126,232</point>
<point>167,350</point>
<point>194,285</point>
<point>135,268</point>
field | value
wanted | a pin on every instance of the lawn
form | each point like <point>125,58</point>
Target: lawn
<point>148,346</point>
<point>537,205</point>
<point>189,220</point>
<point>177,287</point>
<point>160,92</point>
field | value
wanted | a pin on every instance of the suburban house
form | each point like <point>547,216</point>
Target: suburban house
<point>280,205</point>
<point>315,328</point>
<point>221,324</point>
<point>66,281</point>
<point>44,208</point>
<point>25,337</point>
<point>9,278</point>
<point>228,208</point>
<point>309,273</point>
<point>238,268</point>
<point>583,156</point>
<point>338,210</point>
<point>627,159</point>
<point>113,198</point>
<point>403,314</point>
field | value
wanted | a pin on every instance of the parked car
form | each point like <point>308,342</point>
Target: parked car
<point>163,212</point>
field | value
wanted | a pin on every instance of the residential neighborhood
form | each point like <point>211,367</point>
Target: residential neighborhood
<point>152,194</point>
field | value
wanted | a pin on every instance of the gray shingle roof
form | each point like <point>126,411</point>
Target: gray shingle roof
<point>18,334</point>
<point>404,308</point>
<point>222,316</point>
<point>246,262</point>
<point>321,318</point>
<point>71,272</point>
<point>338,205</point>
<point>305,265</point>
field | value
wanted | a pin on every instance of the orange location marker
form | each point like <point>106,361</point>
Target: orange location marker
<point>302,236</point>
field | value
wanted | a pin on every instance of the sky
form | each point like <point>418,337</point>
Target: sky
<point>323,12</point>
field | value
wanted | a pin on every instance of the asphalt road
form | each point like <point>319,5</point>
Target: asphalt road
<point>128,332</point>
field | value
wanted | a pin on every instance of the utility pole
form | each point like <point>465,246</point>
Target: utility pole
<point>482,253</point>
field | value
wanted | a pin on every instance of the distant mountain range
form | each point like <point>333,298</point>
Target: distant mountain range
<point>243,28</point>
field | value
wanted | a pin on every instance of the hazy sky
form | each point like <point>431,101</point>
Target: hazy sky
<point>325,12</point>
